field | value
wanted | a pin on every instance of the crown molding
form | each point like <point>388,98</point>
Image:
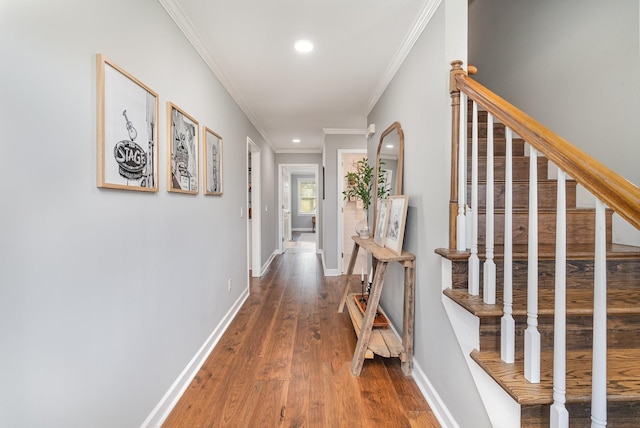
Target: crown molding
<point>342,131</point>
<point>410,39</point>
<point>179,17</point>
<point>299,151</point>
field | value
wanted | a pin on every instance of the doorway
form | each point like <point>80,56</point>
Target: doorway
<point>298,201</point>
<point>350,211</point>
<point>254,232</point>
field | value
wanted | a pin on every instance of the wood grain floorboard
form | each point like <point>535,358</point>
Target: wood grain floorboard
<point>285,361</point>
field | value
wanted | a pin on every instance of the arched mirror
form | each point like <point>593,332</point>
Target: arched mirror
<point>389,163</point>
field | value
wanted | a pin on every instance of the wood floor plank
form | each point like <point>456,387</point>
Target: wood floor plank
<point>266,404</point>
<point>284,362</point>
<point>383,407</point>
<point>425,419</point>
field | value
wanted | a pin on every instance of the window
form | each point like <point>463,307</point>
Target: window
<point>306,197</point>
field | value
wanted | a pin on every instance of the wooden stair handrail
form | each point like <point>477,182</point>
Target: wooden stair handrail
<point>619,194</point>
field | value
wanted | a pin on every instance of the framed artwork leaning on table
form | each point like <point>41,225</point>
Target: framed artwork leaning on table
<point>397,217</point>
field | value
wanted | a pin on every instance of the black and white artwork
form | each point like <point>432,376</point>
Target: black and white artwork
<point>183,151</point>
<point>395,229</point>
<point>127,130</point>
<point>213,163</point>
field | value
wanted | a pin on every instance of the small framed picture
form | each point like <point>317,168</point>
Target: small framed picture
<point>397,217</point>
<point>212,162</point>
<point>382,221</point>
<point>182,157</point>
<point>127,130</point>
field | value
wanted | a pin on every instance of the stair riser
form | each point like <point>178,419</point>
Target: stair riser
<point>547,195</point>
<point>620,414</point>
<point>621,274</point>
<point>622,331</point>
<point>499,147</point>
<point>580,228</point>
<point>520,167</point>
<point>498,129</point>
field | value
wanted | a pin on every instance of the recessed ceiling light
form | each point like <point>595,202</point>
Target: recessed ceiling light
<point>295,140</point>
<point>390,146</point>
<point>303,46</point>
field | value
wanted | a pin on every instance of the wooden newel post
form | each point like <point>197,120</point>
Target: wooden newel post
<point>456,68</point>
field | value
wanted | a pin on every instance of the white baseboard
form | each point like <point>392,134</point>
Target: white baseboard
<point>302,229</point>
<point>328,272</point>
<point>433,398</point>
<point>265,266</point>
<point>429,393</point>
<point>171,397</point>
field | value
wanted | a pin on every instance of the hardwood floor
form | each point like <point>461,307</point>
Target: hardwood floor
<point>284,362</point>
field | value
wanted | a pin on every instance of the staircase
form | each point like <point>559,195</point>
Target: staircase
<point>623,294</point>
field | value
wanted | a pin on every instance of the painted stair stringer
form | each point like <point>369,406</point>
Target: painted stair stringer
<point>502,410</point>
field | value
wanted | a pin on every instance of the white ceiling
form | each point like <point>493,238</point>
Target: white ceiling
<point>359,45</point>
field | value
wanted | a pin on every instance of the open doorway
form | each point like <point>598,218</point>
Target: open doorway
<point>254,233</point>
<point>351,211</point>
<point>298,202</point>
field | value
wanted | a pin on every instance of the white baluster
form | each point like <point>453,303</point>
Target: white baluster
<point>559,417</point>
<point>508,325</point>
<point>531,334</point>
<point>474,262</point>
<point>461,221</point>
<point>599,381</point>
<point>489,289</point>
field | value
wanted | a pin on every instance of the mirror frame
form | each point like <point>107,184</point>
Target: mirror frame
<point>395,126</point>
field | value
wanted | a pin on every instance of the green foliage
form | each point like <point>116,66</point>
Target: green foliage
<point>360,183</point>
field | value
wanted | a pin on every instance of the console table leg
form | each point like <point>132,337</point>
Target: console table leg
<point>408,317</point>
<point>367,322</point>
<point>352,263</point>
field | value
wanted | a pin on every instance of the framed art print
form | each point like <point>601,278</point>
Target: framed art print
<point>127,130</point>
<point>382,222</point>
<point>182,157</point>
<point>397,217</point>
<point>212,163</point>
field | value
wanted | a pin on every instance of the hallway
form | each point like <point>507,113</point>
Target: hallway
<point>284,361</point>
<point>302,242</point>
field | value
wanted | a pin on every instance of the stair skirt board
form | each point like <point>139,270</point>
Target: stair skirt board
<point>503,411</point>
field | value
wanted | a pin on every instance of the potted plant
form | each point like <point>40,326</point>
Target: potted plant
<point>360,185</point>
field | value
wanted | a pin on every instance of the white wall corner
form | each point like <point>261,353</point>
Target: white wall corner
<point>328,272</point>
<point>266,264</point>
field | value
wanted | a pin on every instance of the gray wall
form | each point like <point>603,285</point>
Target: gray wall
<point>269,202</point>
<point>572,64</point>
<point>106,295</point>
<point>418,98</point>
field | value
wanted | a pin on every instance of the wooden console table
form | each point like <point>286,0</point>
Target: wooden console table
<point>381,342</point>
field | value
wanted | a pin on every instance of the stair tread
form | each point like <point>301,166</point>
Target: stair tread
<point>623,376</point>
<point>548,252</point>
<point>579,302</point>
